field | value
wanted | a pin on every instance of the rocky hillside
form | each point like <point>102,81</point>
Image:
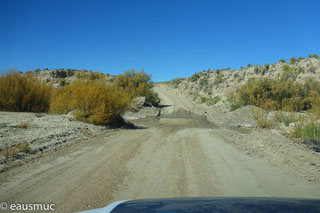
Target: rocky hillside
<point>218,95</point>
<point>212,83</point>
<point>61,77</point>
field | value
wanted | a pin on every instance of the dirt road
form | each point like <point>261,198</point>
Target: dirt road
<point>179,155</point>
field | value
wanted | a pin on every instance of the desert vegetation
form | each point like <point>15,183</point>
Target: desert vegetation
<point>23,93</point>
<point>210,101</point>
<point>137,84</point>
<point>89,75</point>
<point>176,81</point>
<point>89,98</point>
<point>91,101</point>
<point>14,150</point>
<point>308,131</point>
<point>282,94</point>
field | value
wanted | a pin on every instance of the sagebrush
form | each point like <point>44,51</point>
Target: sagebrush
<point>91,101</point>
<point>24,93</point>
<point>280,95</point>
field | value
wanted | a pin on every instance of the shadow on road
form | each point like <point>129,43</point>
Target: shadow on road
<point>164,106</point>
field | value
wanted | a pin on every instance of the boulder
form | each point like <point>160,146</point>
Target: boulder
<point>137,104</point>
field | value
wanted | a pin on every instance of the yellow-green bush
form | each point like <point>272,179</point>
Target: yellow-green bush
<point>23,93</point>
<point>91,101</point>
<point>277,94</point>
<point>135,83</point>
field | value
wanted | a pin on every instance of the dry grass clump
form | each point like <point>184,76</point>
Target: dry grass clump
<point>284,95</point>
<point>23,93</point>
<point>39,115</point>
<point>92,101</point>
<point>279,116</point>
<point>15,149</point>
<point>23,126</point>
<point>261,116</point>
<point>86,132</point>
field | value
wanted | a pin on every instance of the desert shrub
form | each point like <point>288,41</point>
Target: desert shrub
<point>219,79</point>
<point>194,77</point>
<point>249,65</point>
<point>283,95</point>
<point>286,120</point>
<point>300,58</point>
<point>61,100</point>
<point>203,99</point>
<point>81,75</point>
<point>153,98</point>
<point>241,78</point>
<point>203,82</point>
<point>62,82</point>
<point>85,75</point>
<point>293,60</point>
<point>261,116</point>
<point>214,100</point>
<point>286,68</point>
<point>175,82</point>
<point>235,75</point>
<point>313,56</point>
<point>282,60</point>
<point>234,104</point>
<point>300,70</point>
<point>290,73</point>
<point>37,70</point>
<point>96,76</point>
<point>135,83</point>
<point>312,69</point>
<point>308,131</point>
<point>92,101</point>
<point>210,101</point>
<point>279,116</point>
<point>256,70</point>
<point>23,93</point>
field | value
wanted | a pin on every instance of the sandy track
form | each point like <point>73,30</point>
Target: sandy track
<point>167,159</point>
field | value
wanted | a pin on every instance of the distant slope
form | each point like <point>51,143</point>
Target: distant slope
<point>210,83</point>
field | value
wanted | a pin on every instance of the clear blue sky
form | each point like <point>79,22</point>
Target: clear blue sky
<point>168,38</point>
